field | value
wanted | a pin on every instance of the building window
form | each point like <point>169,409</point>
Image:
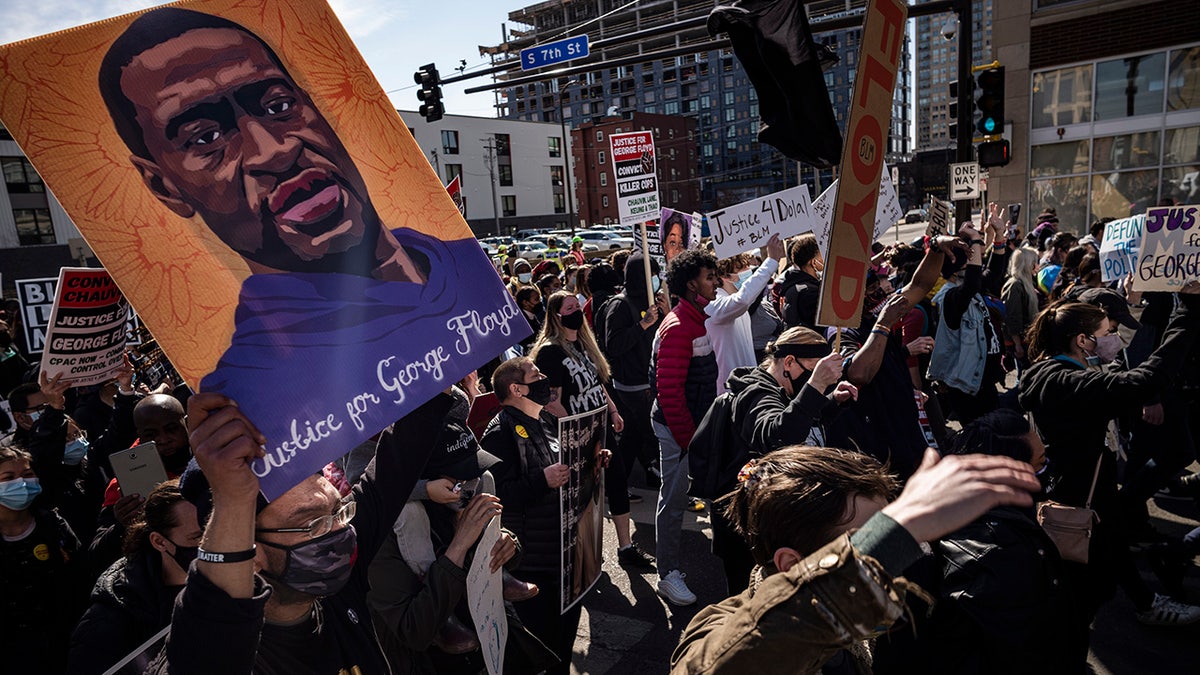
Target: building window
<point>600,157</point>
<point>1062,97</point>
<point>1130,86</point>
<point>599,135</point>
<point>506,175</point>
<point>554,144</point>
<point>1183,83</point>
<point>508,204</point>
<point>503,146</point>
<point>556,176</point>
<point>453,170</point>
<point>449,142</point>
<point>604,203</point>
<point>603,179</point>
<point>671,108</point>
<point>560,203</point>
<point>728,98</point>
<point>34,227</point>
<point>20,176</point>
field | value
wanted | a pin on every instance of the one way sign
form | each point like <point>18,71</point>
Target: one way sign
<point>964,181</point>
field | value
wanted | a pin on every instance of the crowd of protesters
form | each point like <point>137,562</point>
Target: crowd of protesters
<point>869,478</point>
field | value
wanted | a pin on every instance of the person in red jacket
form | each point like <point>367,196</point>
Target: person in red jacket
<point>683,375</point>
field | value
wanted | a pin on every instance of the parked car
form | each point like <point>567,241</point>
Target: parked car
<point>531,232</point>
<point>529,249</point>
<point>563,241</point>
<point>916,216</point>
<point>499,241</point>
<point>488,248</point>
<point>604,239</point>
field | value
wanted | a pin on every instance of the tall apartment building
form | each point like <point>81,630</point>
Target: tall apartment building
<point>937,66</point>
<point>1104,100</point>
<point>709,87</point>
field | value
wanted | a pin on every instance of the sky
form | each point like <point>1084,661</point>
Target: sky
<point>395,37</point>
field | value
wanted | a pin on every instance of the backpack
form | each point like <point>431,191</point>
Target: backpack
<point>716,452</point>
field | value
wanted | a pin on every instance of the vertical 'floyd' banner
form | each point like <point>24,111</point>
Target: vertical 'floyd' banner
<point>1169,256</point>
<point>581,503</point>
<point>238,169</point>
<point>843,285</point>
<point>85,341</point>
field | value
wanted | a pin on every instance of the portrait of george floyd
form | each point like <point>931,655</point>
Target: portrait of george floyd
<point>245,180</point>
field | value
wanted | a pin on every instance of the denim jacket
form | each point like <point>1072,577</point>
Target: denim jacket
<point>959,356</point>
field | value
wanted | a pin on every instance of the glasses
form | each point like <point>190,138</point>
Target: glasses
<point>37,408</point>
<point>319,527</point>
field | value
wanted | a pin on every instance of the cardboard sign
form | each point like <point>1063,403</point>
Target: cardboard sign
<point>634,163</point>
<point>485,599</point>
<point>454,189</point>
<point>850,238</point>
<point>85,341</point>
<point>678,232</point>
<point>941,218</point>
<point>249,185</point>
<point>581,503</point>
<point>1169,257</point>
<point>36,297</point>
<point>887,215</point>
<point>1119,247</point>
<point>653,247</point>
<point>749,225</point>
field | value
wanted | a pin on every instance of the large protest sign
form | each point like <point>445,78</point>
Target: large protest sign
<point>750,224</point>
<point>941,218</point>
<point>887,215</point>
<point>581,502</point>
<point>637,183</point>
<point>85,342</point>
<point>677,232</point>
<point>264,208</point>
<point>1119,247</point>
<point>1169,257</point>
<point>854,211</point>
<point>36,297</point>
<point>485,599</point>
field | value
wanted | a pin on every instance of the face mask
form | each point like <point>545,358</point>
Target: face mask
<point>742,277</point>
<point>1108,347</point>
<point>184,555</point>
<point>319,567</point>
<point>75,451</point>
<point>524,277</point>
<point>539,392</point>
<point>655,283</point>
<point>797,382</point>
<point>176,463</point>
<point>33,416</point>
<point>573,321</point>
<point>18,494</point>
<point>701,301</point>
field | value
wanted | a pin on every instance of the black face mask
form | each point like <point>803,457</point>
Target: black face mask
<point>319,567</point>
<point>184,555</point>
<point>573,321</point>
<point>177,462</point>
<point>539,392</point>
<point>797,382</point>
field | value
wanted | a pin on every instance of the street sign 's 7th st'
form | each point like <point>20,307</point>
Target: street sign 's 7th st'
<point>554,52</point>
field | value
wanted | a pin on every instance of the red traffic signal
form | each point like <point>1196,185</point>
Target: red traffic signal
<point>993,153</point>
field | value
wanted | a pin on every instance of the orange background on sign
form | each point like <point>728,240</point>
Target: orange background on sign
<point>181,279</point>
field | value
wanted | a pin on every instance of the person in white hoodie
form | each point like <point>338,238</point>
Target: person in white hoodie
<point>728,323</point>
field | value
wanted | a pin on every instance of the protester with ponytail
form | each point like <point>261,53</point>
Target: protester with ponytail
<point>133,599</point>
<point>1072,398</point>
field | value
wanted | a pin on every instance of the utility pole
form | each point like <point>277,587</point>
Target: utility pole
<point>567,182</point>
<point>437,167</point>
<point>489,158</point>
<point>966,103</point>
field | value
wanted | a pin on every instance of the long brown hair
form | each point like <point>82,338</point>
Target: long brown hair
<point>1057,325</point>
<point>553,333</point>
<point>156,515</point>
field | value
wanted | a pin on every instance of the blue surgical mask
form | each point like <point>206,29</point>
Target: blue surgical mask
<point>75,451</point>
<point>524,277</point>
<point>655,283</point>
<point>742,277</point>
<point>33,416</point>
<point>18,494</point>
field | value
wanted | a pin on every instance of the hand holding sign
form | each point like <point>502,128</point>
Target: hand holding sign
<point>224,443</point>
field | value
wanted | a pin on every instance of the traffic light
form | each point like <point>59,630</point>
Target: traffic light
<point>993,153</point>
<point>991,101</point>
<point>952,112</point>
<point>430,93</point>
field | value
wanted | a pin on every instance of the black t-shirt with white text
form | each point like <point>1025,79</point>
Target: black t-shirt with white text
<point>571,369</point>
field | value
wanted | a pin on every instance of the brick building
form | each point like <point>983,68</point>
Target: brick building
<point>596,185</point>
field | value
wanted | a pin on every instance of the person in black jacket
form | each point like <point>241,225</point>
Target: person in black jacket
<point>798,289</point>
<point>779,403</point>
<point>625,331</point>
<point>1000,606</point>
<point>525,439</point>
<point>1072,403</point>
<point>133,599</point>
<point>313,547</point>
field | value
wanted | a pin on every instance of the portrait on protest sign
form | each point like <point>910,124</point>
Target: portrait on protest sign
<point>264,208</point>
<point>580,440</point>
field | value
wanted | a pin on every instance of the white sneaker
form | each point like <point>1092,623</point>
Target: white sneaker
<point>1164,612</point>
<point>673,588</point>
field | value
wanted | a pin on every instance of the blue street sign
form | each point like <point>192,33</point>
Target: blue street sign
<point>554,52</point>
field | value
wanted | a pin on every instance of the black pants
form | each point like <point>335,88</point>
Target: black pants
<point>1157,453</point>
<point>637,440</point>
<point>731,548</point>
<point>540,614</point>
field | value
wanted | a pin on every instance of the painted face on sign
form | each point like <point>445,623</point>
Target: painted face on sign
<point>673,243</point>
<point>230,136</point>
